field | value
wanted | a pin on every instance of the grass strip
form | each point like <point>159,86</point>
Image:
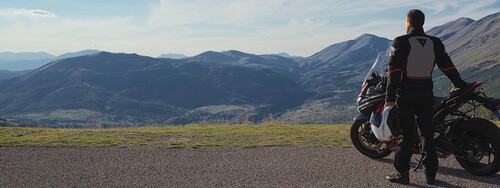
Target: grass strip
<point>188,136</point>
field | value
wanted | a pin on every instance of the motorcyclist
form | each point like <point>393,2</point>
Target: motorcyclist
<point>411,62</point>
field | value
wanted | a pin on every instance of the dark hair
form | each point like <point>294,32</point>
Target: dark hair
<point>416,18</point>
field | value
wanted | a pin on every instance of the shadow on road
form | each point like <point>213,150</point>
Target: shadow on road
<point>461,173</point>
<point>457,172</point>
<point>439,183</point>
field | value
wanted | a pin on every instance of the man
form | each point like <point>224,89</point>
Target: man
<point>412,59</point>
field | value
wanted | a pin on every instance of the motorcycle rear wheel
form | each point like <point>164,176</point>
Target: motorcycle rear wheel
<point>482,139</point>
<point>365,141</point>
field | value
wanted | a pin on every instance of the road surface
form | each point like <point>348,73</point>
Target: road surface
<point>213,167</point>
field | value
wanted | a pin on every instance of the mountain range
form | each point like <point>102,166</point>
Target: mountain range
<point>474,48</point>
<point>116,89</point>
<point>23,61</point>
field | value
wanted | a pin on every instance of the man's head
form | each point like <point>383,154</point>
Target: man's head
<point>414,18</point>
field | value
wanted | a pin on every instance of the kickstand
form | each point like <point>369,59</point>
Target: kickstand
<point>420,162</point>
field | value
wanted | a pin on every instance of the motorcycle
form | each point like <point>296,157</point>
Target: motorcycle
<point>475,142</point>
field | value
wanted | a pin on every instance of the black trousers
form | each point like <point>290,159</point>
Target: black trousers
<point>421,107</point>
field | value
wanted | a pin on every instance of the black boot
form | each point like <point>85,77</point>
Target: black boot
<point>401,178</point>
<point>430,177</point>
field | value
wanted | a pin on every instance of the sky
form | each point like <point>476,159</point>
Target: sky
<point>190,27</point>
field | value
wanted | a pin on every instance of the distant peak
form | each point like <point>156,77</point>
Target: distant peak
<point>79,53</point>
<point>284,54</point>
<point>101,53</point>
<point>369,37</point>
<point>236,53</point>
<point>465,18</point>
<point>208,53</point>
<point>91,50</point>
<point>233,51</point>
<point>366,35</point>
<point>104,54</point>
<point>87,52</point>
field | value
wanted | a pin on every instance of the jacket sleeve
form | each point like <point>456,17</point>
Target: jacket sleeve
<point>446,65</point>
<point>395,70</point>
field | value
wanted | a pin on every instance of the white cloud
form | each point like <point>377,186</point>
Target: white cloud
<point>42,13</point>
<point>25,13</point>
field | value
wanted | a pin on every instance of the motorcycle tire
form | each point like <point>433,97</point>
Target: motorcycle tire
<point>365,142</point>
<point>483,137</point>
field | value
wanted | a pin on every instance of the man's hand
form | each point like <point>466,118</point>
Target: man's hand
<point>387,104</point>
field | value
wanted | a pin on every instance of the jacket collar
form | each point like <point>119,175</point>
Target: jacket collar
<point>416,30</point>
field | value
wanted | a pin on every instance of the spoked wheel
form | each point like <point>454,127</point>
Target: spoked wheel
<point>365,141</point>
<point>481,140</point>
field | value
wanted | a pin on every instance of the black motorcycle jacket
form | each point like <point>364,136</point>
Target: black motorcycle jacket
<point>411,62</point>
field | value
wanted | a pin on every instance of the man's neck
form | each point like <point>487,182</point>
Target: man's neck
<point>416,30</point>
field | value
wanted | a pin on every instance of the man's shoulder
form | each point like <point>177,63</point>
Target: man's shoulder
<point>405,37</point>
<point>401,37</point>
<point>401,41</point>
<point>436,39</point>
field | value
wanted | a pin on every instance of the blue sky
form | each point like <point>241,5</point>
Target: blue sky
<point>154,27</point>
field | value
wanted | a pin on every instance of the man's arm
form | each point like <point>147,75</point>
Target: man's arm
<point>446,66</point>
<point>394,72</point>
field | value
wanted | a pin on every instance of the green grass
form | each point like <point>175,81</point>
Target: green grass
<point>189,136</point>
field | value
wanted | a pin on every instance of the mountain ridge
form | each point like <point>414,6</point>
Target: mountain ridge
<point>448,29</point>
<point>229,86</point>
<point>13,56</point>
<point>28,60</point>
<point>125,85</point>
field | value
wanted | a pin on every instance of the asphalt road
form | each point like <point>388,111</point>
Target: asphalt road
<point>213,167</point>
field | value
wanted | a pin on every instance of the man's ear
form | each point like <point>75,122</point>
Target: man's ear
<point>408,25</point>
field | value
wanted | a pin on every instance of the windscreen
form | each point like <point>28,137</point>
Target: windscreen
<point>379,67</point>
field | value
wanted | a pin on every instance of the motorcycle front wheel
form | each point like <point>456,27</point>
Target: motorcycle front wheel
<point>481,141</point>
<point>365,141</point>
